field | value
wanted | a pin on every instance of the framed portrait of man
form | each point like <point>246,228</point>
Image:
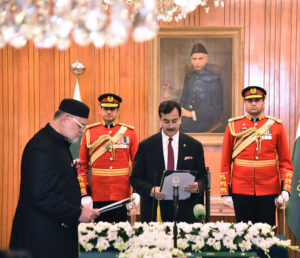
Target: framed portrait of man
<point>202,69</point>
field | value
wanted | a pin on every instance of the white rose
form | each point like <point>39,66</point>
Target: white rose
<point>102,244</point>
<point>182,244</point>
<point>210,241</point>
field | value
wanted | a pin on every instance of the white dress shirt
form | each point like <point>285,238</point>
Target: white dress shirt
<point>175,144</point>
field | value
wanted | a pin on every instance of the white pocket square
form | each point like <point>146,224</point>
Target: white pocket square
<point>188,157</point>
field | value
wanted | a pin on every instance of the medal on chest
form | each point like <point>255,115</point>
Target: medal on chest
<point>123,143</point>
<point>267,135</point>
<point>244,127</point>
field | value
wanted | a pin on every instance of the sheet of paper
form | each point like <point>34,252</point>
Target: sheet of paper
<point>184,179</point>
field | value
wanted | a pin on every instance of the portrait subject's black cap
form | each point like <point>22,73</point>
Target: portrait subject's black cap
<point>253,92</point>
<point>74,107</point>
<point>199,48</point>
<point>109,100</point>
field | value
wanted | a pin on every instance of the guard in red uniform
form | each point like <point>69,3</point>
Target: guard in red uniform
<point>256,166</point>
<point>107,148</point>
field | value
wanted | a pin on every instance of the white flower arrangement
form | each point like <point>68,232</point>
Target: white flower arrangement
<point>156,239</point>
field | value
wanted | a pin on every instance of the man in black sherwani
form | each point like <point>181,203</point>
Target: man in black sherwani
<point>202,96</point>
<point>48,212</point>
<point>152,159</point>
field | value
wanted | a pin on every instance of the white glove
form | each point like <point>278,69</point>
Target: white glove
<point>228,201</point>
<point>282,198</point>
<point>87,201</point>
<point>135,197</point>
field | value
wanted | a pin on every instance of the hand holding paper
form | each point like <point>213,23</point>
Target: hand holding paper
<point>191,188</point>
<point>157,194</point>
<point>187,184</point>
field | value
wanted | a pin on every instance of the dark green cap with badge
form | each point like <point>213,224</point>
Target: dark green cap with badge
<point>109,100</point>
<point>253,92</point>
<point>74,107</point>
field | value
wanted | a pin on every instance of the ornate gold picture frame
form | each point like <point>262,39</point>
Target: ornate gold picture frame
<point>171,64</point>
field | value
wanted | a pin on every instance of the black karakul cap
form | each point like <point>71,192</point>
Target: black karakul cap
<point>109,100</point>
<point>253,92</point>
<point>199,48</point>
<point>74,107</point>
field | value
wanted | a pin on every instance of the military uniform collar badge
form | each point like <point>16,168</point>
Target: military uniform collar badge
<point>111,125</point>
<point>255,119</point>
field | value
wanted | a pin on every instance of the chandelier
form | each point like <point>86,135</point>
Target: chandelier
<point>50,23</point>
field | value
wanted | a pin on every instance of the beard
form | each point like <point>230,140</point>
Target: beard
<point>74,139</point>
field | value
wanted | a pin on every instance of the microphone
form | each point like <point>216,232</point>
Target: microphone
<point>199,212</point>
<point>154,184</point>
<point>175,183</point>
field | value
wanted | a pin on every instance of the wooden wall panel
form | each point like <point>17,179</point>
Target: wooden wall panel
<point>33,81</point>
<point>2,219</point>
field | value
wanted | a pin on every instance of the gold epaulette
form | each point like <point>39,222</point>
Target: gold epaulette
<point>92,125</point>
<point>129,126</point>
<point>275,119</point>
<point>235,118</point>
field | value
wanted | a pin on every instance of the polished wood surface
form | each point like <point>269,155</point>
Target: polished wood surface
<point>34,81</point>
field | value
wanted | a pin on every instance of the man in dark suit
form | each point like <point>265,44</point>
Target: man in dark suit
<point>153,157</point>
<point>49,207</point>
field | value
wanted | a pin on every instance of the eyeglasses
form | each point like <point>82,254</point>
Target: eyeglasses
<point>80,125</point>
<point>171,124</point>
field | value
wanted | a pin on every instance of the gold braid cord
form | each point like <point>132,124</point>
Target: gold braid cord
<point>248,136</point>
<point>92,147</point>
<point>109,145</point>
